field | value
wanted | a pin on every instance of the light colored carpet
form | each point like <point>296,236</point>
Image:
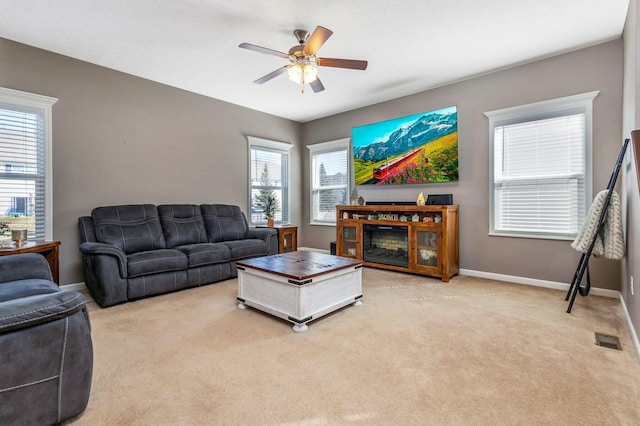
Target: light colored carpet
<point>418,351</point>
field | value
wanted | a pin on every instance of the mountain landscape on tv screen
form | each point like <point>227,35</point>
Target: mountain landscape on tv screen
<point>424,150</point>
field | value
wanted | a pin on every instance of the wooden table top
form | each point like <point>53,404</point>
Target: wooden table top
<point>299,265</point>
<point>29,246</point>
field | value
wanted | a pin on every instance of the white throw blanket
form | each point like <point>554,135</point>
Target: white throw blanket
<point>610,242</point>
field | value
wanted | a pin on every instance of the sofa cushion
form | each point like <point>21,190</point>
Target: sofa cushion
<point>223,222</point>
<point>206,253</point>
<point>150,285</point>
<point>155,261</point>
<point>182,224</point>
<point>242,249</point>
<point>133,228</point>
<point>208,274</point>
<point>24,288</point>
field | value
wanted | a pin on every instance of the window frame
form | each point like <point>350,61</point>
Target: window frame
<point>323,148</point>
<point>17,100</point>
<point>559,107</point>
<point>284,149</point>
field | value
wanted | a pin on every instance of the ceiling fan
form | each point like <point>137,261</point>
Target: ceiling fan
<point>302,59</point>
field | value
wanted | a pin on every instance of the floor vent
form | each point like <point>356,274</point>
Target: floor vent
<point>606,341</point>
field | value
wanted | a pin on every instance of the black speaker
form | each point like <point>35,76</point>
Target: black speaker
<point>440,200</point>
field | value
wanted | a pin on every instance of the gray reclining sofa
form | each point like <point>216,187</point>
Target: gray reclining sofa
<point>135,251</point>
<point>46,351</point>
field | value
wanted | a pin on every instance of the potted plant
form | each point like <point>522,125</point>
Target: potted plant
<point>265,201</point>
<point>271,207</point>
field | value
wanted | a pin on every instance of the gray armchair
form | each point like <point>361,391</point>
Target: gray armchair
<point>46,352</point>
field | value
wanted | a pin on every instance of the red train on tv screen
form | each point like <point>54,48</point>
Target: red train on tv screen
<point>421,148</point>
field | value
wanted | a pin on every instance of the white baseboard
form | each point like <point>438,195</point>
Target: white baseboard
<point>313,249</point>
<point>632,331</point>
<point>75,286</point>
<point>536,283</point>
<point>515,279</point>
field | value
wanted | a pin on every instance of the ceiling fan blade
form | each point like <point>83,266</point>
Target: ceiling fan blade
<point>316,40</point>
<point>263,50</point>
<point>342,63</point>
<point>272,75</point>
<point>316,85</point>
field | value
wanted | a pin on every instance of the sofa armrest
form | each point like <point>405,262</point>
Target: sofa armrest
<point>268,235</point>
<point>33,310</point>
<point>23,267</point>
<point>98,249</point>
<point>260,233</point>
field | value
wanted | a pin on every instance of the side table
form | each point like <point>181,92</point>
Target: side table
<point>49,249</point>
<point>287,237</point>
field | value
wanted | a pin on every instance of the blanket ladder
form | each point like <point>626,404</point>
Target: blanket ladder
<point>583,264</point>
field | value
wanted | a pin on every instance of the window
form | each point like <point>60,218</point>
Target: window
<point>25,163</point>
<point>540,168</point>
<point>329,180</point>
<point>268,175</point>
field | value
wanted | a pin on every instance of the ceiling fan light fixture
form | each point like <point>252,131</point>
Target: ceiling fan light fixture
<point>303,59</point>
<point>310,73</point>
<point>302,74</point>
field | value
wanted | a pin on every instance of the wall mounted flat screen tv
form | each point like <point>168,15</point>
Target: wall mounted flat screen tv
<point>420,148</point>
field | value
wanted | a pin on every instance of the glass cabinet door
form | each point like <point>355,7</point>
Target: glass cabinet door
<point>350,241</point>
<point>427,254</point>
<point>287,242</point>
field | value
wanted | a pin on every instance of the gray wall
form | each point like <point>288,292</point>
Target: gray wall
<point>590,69</point>
<point>120,139</point>
<point>630,189</point>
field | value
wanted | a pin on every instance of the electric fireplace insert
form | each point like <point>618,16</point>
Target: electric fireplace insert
<point>386,244</point>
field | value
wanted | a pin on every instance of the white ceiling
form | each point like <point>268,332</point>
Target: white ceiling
<point>411,45</point>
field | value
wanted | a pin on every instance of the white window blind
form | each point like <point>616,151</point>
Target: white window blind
<point>541,177</point>
<point>268,173</point>
<point>25,177</point>
<point>329,179</point>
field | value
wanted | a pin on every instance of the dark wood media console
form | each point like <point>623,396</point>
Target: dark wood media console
<point>417,239</point>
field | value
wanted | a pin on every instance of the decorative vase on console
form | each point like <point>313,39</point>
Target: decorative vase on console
<point>420,201</point>
<point>354,197</point>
